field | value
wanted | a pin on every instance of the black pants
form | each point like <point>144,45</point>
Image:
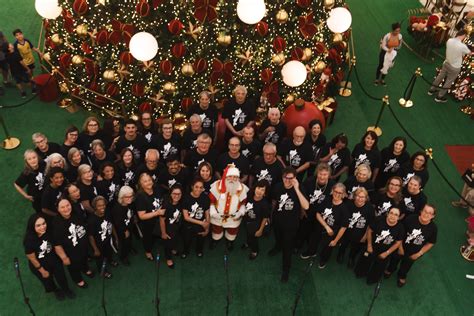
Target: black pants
<point>315,238</point>
<point>355,247</point>
<point>326,250</point>
<point>284,240</point>
<point>371,266</point>
<point>190,232</point>
<point>170,244</point>
<point>148,237</point>
<point>305,229</point>
<point>37,204</point>
<point>380,66</point>
<point>56,273</point>
<point>252,241</point>
<point>106,253</point>
<point>405,265</point>
<point>77,266</point>
<point>125,244</point>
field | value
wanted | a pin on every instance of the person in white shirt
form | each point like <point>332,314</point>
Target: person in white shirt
<point>455,51</point>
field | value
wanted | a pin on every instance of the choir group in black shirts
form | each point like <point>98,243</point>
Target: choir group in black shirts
<point>104,185</point>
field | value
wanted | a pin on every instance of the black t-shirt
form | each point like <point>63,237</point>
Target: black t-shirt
<point>352,184</point>
<point>96,163</point>
<point>52,148</point>
<point>189,141</point>
<point>275,136</point>
<point>42,247</point>
<point>173,216</point>
<point>359,219</point>
<point>335,216</point>
<point>288,207</point>
<point>240,162</point>
<point>122,217</point>
<point>382,204</point>
<point>149,203</point>
<point>50,197</point>
<point>101,229</point>
<point>390,164</point>
<point>109,189</point>
<point>418,235</point>
<point>64,149</point>
<point>153,173</point>
<point>167,180</point>
<point>13,60</point>
<point>239,114</point>
<point>33,180</point>
<point>251,150</point>
<point>84,141</point>
<point>407,172</point>
<point>295,156</point>
<point>272,173</point>
<point>79,210</point>
<point>362,156</point>
<point>138,146</point>
<point>208,116</point>
<point>127,175</point>
<point>71,235</point>
<point>148,133</point>
<point>88,192</point>
<point>317,194</point>
<point>207,185</point>
<point>316,145</point>
<point>412,204</point>
<point>167,147</point>
<point>197,207</point>
<point>384,235</point>
<point>256,211</point>
<point>193,159</point>
<point>338,160</point>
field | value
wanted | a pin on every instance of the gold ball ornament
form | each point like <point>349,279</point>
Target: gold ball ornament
<point>63,87</point>
<point>281,16</point>
<point>224,39</point>
<point>320,65</point>
<point>289,99</point>
<point>328,4</point>
<point>468,29</point>
<point>307,53</point>
<point>337,38</point>
<point>169,87</point>
<point>81,30</point>
<point>47,56</point>
<point>187,69</point>
<point>109,75</point>
<point>77,60</point>
<point>56,39</point>
<point>278,59</point>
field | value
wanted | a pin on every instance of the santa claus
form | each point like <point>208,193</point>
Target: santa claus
<point>228,197</point>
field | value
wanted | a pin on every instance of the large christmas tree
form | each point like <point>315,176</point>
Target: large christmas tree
<point>202,46</point>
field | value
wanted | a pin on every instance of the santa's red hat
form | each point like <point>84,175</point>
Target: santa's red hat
<point>230,170</point>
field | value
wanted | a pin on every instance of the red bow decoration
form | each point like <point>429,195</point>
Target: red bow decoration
<point>271,90</point>
<point>124,31</point>
<point>221,70</point>
<point>306,25</point>
<point>68,21</point>
<point>205,10</point>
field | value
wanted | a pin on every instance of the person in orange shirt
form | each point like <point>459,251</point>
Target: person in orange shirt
<point>390,42</point>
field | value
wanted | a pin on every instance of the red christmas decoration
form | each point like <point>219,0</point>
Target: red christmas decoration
<point>145,107</point>
<point>297,53</point>
<point>166,66</point>
<point>91,68</point>
<point>65,60</point>
<point>319,48</point>
<point>262,28</point>
<point>126,58</point>
<point>138,89</point>
<point>80,7</point>
<point>156,3</point>
<point>143,8</point>
<point>86,48</point>
<point>94,86</point>
<point>178,50</point>
<point>175,26</point>
<point>68,24</point>
<point>301,113</point>
<point>186,103</point>
<point>102,37</point>
<point>125,30</point>
<point>303,3</point>
<point>271,91</point>
<point>115,37</point>
<point>307,26</point>
<point>111,89</point>
<point>200,65</point>
<point>266,75</point>
<point>279,44</point>
<point>100,100</point>
<point>339,76</point>
<point>205,10</point>
<point>221,70</point>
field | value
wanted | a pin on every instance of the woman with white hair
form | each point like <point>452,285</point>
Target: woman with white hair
<point>207,111</point>
<point>55,160</point>
<point>123,216</point>
<point>360,179</point>
<point>273,129</point>
<point>87,185</point>
<point>32,178</point>
<point>238,113</point>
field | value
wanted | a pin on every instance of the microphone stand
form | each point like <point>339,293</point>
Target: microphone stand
<point>157,298</point>
<point>104,264</point>
<point>300,289</point>
<point>18,275</point>
<point>226,268</point>
<point>374,297</point>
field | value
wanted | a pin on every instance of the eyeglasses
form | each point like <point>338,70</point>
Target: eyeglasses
<point>40,141</point>
<point>337,192</point>
<point>269,154</point>
<point>395,184</point>
<point>176,194</point>
<point>128,196</point>
<point>146,119</point>
<point>92,124</point>
<point>288,178</point>
<point>234,145</point>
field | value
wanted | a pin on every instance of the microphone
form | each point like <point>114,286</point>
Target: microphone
<point>16,265</point>
<point>104,263</point>
<point>157,258</point>
<point>377,288</point>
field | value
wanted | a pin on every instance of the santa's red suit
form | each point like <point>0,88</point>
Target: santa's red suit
<point>227,209</point>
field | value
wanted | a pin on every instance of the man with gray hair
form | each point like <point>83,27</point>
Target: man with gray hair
<point>42,147</point>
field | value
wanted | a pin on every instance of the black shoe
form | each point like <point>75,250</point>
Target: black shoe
<point>90,275</point>
<point>114,263</point>
<point>23,95</point>
<point>244,246</point>
<point>125,262</point>
<point>383,83</point>
<point>401,284</point>
<point>340,258</point>
<point>387,275</point>
<point>184,255</point>
<point>70,294</point>
<point>322,265</point>
<point>199,254</point>
<point>376,83</point>
<point>59,295</point>
<point>253,255</point>
<point>441,100</point>
<point>273,252</point>
<point>307,255</point>
<point>33,90</point>
<point>431,92</point>
<point>351,263</point>
<point>213,244</point>
<point>230,245</point>
<point>284,277</point>
<point>83,286</point>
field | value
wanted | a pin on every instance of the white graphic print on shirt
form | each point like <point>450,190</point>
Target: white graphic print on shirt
<point>362,159</point>
<point>250,212</point>
<point>392,164</point>
<point>77,232</point>
<point>264,175</point>
<point>238,117</point>
<point>285,203</point>
<point>328,216</point>
<point>45,248</point>
<point>39,181</point>
<point>384,208</point>
<point>384,237</point>
<point>105,229</point>
<point>407,178</point>
<point>294,158</point>
<point>196,211</point>
<point>176,216</point>
<point>415,236</point>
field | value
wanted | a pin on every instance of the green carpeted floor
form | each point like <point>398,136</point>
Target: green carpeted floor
<point>436,285</point>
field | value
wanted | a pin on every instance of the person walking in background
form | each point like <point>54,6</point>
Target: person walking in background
<point>455,51</point>
<point>389,44</point>
<point>19,70</point>
<point>3,61</point>
<point>24,47</point>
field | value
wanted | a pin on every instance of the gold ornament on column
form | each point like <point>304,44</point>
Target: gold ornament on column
<point>169,87</point>
<point>278,59</point>
<point>224,39</point>
<point>307,53</point>
<point>289,99</point>
<point>320,65</point>
<point>337,38</point>
<point>109,75</point>
<point>63,87</point>
<point>77,60</point>
<point>56,39</point>
<point>47,56</point>
<point>187,69</point>
<point>81,30</point>
<point>281,16</point>
<point>328,4</point>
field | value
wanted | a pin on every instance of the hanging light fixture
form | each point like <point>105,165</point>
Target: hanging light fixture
<point>143,46</point>
<point>48,9</point>
<point>251,11</point>
<point>339,20</point>
<point>294,73</point>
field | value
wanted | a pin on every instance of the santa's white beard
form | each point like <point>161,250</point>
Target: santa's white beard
<point>232,186</point>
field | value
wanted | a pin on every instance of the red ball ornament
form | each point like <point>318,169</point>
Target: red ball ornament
<point>297,53</point>
<point>262,28</point>
<point>279,44</point>
<point>94,86</point>
<point>145,107</point>
<point>65,60</point>
<point>166,66</point>
<point>303,3</point>
<point>100,100</point>
<point>115,37</point>
<point>86,48</point>
<point>327,71</point>
<point>186,103</point>
<point>138,89</point>
<point>156,3</point>
<point>339,76</point>
<point>178,50</point>
<point>175,26</point>
<point>301,113</point>
<point>143,8</point>
<point>111,89</point>
<point>320,48</point>
<point>266,75</point>
<point>68,24</point>
<point>80,7</point>
<point>200,65</point>
<point>126,58</point>
<point>102,37</point>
